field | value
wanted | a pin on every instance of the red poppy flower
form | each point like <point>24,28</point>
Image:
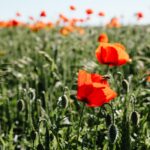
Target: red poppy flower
<point>93,89</point>
<point>139,15</point>
<point>89,11</point>
<point>63,17</point>
<point>18,14</point>
<point>103,38</point>
<point>31,18</point>
<point>13,23</point>
<point>72,7</point>
<point>112,54</point>
<point>43,14</point>
<point>81,20</point>
<point>114,22</point>
<point>101,13</point>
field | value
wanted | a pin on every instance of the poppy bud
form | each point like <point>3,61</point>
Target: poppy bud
<point>51,137</point>
<point>134,118</point>
<point>112,133</point>
<point>108,120</point>
<point>33,135</point>
<point>20,105</point>
<point>47,138</point>
<point>91,120</point>
<point>65,122</point>
<point>125,86</point>
<point>106,77</point>
<point>40,147</point>
<point>74,86</point>
<point>63,101</point>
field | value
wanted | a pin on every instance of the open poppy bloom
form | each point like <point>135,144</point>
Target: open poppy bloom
<point>13,23</point>
<point>43,14</point>
<point>93,89</point>
<point>103,38</point>
<point>114,23</point>
<point>112,54</point>
<point>89,11</point>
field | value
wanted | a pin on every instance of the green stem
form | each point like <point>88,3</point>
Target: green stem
<point>111,110</point>
<point>107,69</point>
<point>95,137</point>
<point>80,125</point>
<point>96,132</point>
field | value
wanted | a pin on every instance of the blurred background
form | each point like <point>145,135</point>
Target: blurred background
<point>125,10</point>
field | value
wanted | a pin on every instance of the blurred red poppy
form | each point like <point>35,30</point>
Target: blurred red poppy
<point>112,54</point>
<point>18,14</point>
<point>13,23</point>
<point>89,11</point>
<point>81,20</point>
<point>31,18</point>
<point>72,7</point>
<point>103,38</point>
<point>43,14</point>
<point>148,79</point>
<point>93,89</point>
<point>139,15</point>
<point>114,23</point>
<point>101,13</point>
<point>63,17</point>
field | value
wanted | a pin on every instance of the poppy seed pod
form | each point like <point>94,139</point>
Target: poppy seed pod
<point>91,120</point>
<point>134,118</point>
<point>21,105</point>
<point>125,86</point>
<point>40,147</point>
<point>112,133</point>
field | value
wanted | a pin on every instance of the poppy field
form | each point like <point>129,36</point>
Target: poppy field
<point>83,90</point>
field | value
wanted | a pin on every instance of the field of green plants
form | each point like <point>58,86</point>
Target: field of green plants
<point>38,85</point>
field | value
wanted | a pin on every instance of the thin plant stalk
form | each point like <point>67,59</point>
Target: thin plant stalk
<point>81,116</point>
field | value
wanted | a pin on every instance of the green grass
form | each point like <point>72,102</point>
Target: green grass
<point>38,79</point>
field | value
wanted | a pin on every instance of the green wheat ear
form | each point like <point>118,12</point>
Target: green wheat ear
<point>112,133</point>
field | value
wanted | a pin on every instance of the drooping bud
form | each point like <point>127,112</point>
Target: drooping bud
<point>63,101</point>
<point>125,86</point>
<point>134,118</point>
<point>21,105</point>
<point>112,133</point>
<point>33,135</point>
<point>51,137</point>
